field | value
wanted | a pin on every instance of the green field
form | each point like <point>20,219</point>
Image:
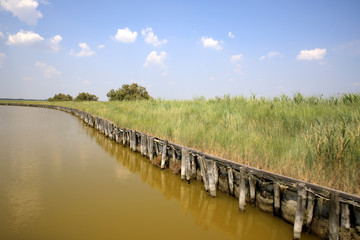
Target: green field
<point>309,138</point>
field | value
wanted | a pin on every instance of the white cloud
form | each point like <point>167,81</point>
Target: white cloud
<point>238,69</point>
<point>1,35</point>
<point>315,54</point>
<point>210,43</point>
<point>85,51</point>
<point>236,58</point>
<point>86,82</point>
<point>101,46</point>
<point>22,37</point>
<point>212,78</point>
<point>125,35</point>
<point>25,10</point>
<point>151,38</point>
<point>155,59</point>
<point>273,54</point>
<point>32,38</point>
<point>2,58</point>
<point>54,43</point>
<point>47,70</point>
<point>231,35</point>
<point>269,55</point>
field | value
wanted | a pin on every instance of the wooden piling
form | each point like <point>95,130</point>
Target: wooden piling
<point>216,174</point>
<point>202,163</point>
<point>163,155</point>
<point>151,148</point>
<point>193,166</point>
<point>334,212</point>
<point>300,210</point>
<point>277,198</point>
<point>184,156</point>
<point>210,166</point>
<point>252,184</point>
<point>345,216</point>
<point>310,209</point>
<point>124,138</point>
<point>242,189</point>
<point>188,166</point>
<point>143,144</point>
<point>133,140</point>
<point>230,180</point>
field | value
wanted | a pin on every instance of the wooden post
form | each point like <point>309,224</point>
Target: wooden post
<point>242,190</point>
<point>345,216</point>
<point>143,144</point>
<point>334,216</point>
<point>124,138</point>
<point>202,163</point>
<point>193,166</point>
<point>300,210</point>
<point>230,180</point>
<point>184,156</point>
<point>133,140</point>
<point>310,209</point>
<point>163,155</point>
<point>277,198</point>
<point>210,165</point>
<point>252,184</point>
<point>188,166</point>
<point>151,148</point>
<point>110,130</point>
<point>216,174</point>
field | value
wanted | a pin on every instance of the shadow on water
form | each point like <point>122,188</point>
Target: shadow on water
<point>220,212</point>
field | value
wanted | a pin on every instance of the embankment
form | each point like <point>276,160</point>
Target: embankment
<point>323,211</point>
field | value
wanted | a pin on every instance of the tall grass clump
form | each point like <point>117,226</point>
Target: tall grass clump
<point>312,138</point>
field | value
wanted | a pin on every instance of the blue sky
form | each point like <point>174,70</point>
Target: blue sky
<point>179,49</point>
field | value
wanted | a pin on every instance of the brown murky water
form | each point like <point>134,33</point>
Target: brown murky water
<point>60,179</point>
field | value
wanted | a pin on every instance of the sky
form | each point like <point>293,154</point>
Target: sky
<point>179,49</point>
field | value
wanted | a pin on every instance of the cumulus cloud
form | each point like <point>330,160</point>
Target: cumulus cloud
<point>125,35</point>
<point>25,10</point>
<point>151,38</point>
<point>101,46</point>
<point>315,54</point>
<point>236,58</point>
<point>210,43</point>
<point>48,71</point>
<point>32,38</point>
<point>22,37</point>
<point>155,59</point>
<point>1,35</point>
<point>84,52</point>
<point>2,58</point>
<point>54,43</point>
<point>231,35</point>
<point>269,55</point>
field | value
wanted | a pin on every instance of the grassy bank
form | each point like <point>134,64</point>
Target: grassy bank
<point>313,139</point>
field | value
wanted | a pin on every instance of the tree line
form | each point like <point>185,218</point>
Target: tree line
<point>125,93</point>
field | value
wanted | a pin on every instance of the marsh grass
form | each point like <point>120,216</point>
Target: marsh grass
<point>309,138</point>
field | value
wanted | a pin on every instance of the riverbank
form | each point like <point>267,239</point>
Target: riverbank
<point>308,206</point>
<point>314,140</point>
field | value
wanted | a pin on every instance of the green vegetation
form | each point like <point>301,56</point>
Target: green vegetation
<point>86,97</point>
<point>128,93</point>
<point>61,97</point>
<point>310,138</point>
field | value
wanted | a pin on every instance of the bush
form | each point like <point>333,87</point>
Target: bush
<point>128,93</point>
<point>86,97</point>
<point>61,97</point>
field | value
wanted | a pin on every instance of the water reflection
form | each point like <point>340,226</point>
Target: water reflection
<point>220,212</point>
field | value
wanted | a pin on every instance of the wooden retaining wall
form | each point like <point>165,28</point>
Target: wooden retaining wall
<point>326,212</point>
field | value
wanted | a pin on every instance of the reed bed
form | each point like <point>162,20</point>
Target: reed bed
<point>314,139</point>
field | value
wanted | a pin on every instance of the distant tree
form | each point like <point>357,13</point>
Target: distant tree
<point>61,97</point>
<point>128,93</point>
<point>86,97</point>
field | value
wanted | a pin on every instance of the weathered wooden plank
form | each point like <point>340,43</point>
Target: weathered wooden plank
<point>164,155</point>
<point>300,210</point>
<point>334,216</point>
<point>242,189</point>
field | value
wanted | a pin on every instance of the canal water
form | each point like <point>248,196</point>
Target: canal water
<point>60,179</point>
